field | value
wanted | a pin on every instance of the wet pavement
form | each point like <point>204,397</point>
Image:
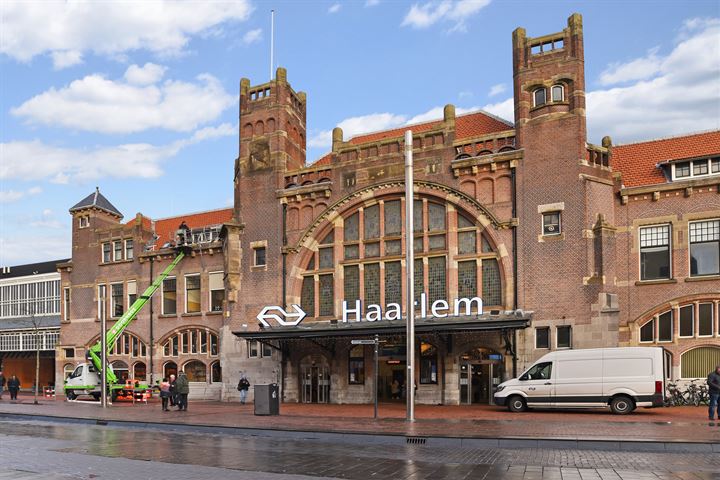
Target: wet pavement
<point>678,424</point>
<point>32,449</point>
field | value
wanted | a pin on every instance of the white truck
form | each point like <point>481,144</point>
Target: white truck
<point>619,378</point>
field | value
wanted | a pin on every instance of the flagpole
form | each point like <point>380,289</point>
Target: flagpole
<point>409,279</point>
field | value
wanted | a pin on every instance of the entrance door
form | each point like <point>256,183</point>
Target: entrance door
<point>315,384</point>
<point>476,382</point>
<point>391,381</point>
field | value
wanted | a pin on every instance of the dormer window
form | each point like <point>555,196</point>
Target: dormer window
<point>539,97</point>
<point>558,93</point>
<point>84,221</point>
<point>695,168</point>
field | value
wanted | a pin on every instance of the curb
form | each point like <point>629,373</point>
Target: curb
<point>640,445</point>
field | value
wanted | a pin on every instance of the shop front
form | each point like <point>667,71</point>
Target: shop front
<point>457,362</point>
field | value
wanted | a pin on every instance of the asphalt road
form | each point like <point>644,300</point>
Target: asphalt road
<point>42,450</point>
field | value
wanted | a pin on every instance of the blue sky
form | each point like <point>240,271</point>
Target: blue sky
<point>140,98</point>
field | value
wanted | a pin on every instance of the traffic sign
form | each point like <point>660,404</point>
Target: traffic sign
<point>362,342</point>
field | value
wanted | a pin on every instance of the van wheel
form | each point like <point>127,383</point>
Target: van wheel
<point>70,395</point>
<point>96,396</point>
<point>516,403</point>
<point>622,405</point>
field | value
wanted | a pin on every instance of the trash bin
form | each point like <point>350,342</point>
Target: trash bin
<point>267,399</point>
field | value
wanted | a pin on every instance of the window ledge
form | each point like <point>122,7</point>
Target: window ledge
<point>168,315</point>
<point>218,312</point>
<point>551,238</point>
<point>664,281</point>
<point>117,262</point>
<point>258,268</point>
<point>191,314</point>
<point>702,278</point>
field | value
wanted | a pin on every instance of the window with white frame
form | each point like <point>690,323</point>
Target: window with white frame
<point>695,168</point>
<point>84,221</point>
<point>258,349</point>
<point>539,97</point>
<point>131,292</point>
<point>259,256</point>
<point>655,252</point>
<point>102,302</point>
<point>658,329</point>
<point>117,251</point>
<point>129,249</point>
<point>705,248</point>
<point>66,303</point>
<point>169,294</point>
<point>20,299</point>
<point>116,300</point>
<point>706,320</point>
<point>687,321</point>
<point>564,336</point>
<point>217,291</point>
<point>542,337</point>
<point>557,93</point>
<point>551,223</point>
<point>106,253</point>
<point>192,293</point>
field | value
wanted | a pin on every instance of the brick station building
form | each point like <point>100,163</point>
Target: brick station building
<point>569,244</point>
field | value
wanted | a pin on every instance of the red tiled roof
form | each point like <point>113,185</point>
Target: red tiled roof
<point>466,126</point>
<point>166,227</point>
<point>638,161</point>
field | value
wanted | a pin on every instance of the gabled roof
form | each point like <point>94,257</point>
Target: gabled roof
<point>469,125</point>
<point>638,162</point>
<point>96,200</point>
<point>165,227</point>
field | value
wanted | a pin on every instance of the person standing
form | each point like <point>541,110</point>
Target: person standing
<point>165,394</point>
<point>183,388</point>
<point>713,382</point>
<point>2,383</point>
<point>243,387</point>
<point>13,386</point>
<point>173,391</point>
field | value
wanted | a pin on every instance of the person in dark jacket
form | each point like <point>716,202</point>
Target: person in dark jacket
<point>243,387</point>
<point>713,382</point>
<point>13,386</point>
<point>2,383</point>
<point>183,388</point>
<point>173,391</point>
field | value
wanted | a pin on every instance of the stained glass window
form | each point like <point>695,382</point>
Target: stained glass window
<point>393,218</point>
<point>467,279</point>
<point>371,218</point>
<point>393,283</point>
<point>466,242</point>
<point>307,296</point>
<point>326,295</point>
<point>351,284</point>
<point>437,279</point>
<point>372,284</point>
<point>436,217</point>
<point>419,281</point>
<point>326,257</point>
<point>352,228</point>
<point>491,291</point>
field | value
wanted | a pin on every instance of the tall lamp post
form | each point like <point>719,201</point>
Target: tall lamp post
<point>410,279</point>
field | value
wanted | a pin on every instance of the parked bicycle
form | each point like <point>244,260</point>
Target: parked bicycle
<point>693,394</point>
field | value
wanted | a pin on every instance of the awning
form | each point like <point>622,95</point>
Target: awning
<point>384,327</point>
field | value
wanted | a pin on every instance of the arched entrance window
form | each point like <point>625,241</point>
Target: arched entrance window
<point>196,371</point>
<point>121,370</point>
<point>139,371</point>
<point>215,373</point>
<point>170,368</point>
<point>698,362</point>
<point>480,371</point>
<point>370,245</point>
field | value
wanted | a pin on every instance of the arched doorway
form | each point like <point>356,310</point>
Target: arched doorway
<point>139,371</point>
<point>170,368</point>
<point>480,371</point>
<point>314,379</point>
<point>121,370</point>
<point>699,361</point>
<point>196,371</point>
<point>215,373</point>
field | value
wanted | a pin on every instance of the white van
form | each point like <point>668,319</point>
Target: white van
<point>619,378</point>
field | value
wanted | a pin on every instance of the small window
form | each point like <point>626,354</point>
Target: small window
<point>169,296</point>
<point>564,336</point>
<point>705,322</point>
<point>106,253</point>
<point>129,250</point>
<point>84,221</point>
<point>539,97</point>
<point>665,327</point>
<point>655,252</point>
<point>116,301</point>
<point>428,363</point>
<point>647,331</point>
<point>66,304</point>
<point>356,365</point>
<point>687,321</point>
<point>259,256</point>
<point>253,349</point>
<point>682,170</point>
<point>700,167</point>
<point>558,93</point>
<point>542,337</point>
<point>192,293</point>
<point>131,292</point>
<point>217,291</point>
<point>266,350</point>
<point>715,165</point>
<point>705,248</point>
<point>69,352</point>
<point>551,223</point>
<point>117,251</point>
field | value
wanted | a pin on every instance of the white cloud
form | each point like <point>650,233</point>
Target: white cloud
<point>34,160</point>
<point>681,95</point>
<point>497,89</point>
<point>252,36</point>
<point>334,8</point>
<point>9,196</point>
<point>95,103</point>
<point>146,75</point>
<point>160,26</point>
<point>504,109</point>
<point>457,12</point>
<point>45,220</point>
<point>67,58</point>
<point>22,248</point>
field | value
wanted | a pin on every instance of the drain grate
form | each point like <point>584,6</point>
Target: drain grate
<point>415,440</point>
